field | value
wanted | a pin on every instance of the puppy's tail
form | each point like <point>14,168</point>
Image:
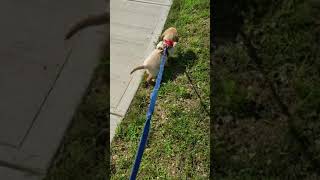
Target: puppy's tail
<point>138,68</point>
<point>93,20</point>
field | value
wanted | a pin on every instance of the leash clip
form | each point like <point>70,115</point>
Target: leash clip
<point>168,43</point>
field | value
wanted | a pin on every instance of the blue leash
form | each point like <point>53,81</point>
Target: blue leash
<point>146,129</point>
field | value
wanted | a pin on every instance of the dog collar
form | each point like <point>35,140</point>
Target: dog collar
<point>169,43</point>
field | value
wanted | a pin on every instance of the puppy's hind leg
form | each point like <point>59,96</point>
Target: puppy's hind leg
<point>149,80</point>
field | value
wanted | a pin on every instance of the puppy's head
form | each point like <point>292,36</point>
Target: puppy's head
<point>160,51</point>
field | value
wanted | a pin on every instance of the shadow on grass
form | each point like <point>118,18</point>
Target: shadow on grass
<point>177,65</point>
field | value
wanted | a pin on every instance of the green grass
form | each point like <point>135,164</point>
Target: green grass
<point>252,137</point>
<point>178,144</point>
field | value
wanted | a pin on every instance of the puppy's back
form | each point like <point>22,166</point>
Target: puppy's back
<point>152,62</point>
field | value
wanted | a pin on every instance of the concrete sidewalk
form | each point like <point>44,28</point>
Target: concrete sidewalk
<point>134,27</point>
<point>42,79</point>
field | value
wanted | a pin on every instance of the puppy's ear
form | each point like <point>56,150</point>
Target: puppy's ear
<point>161,37</point>
<point>177,39</point>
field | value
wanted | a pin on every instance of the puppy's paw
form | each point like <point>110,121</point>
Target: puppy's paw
<point>146,85</point>
<point>153,82</point>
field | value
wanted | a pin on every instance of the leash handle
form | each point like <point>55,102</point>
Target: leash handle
<point>144,137</point>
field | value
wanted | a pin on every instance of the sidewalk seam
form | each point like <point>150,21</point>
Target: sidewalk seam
<point>9,145</point>
<point>124,93</point>
<point>45,98</point>
<point>116,114</point>
<point>20,168</point>
<point>154,3</point>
